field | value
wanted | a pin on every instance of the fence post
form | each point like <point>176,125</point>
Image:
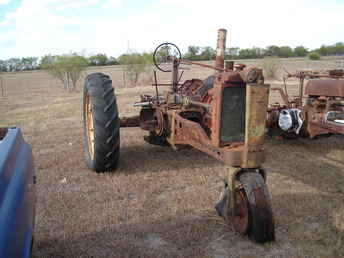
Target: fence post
<point>2,87</point>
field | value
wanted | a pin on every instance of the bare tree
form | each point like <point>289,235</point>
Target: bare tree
<point>67,68</point>
<point>133,65</point>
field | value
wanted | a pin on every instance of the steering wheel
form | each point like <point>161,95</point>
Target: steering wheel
<point>163,55</point>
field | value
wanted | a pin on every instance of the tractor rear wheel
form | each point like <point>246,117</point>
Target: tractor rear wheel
<point>101,123</point>
<point>253,209</point>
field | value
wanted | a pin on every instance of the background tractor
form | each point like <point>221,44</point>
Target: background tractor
<point>223,116</point>
<point>316,110</point>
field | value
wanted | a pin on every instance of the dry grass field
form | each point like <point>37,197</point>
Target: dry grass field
<point>159,203</point>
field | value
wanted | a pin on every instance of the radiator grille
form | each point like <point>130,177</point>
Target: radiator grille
<point>233,114</point>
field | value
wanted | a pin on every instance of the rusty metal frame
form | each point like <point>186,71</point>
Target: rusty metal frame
<point>313,113</point>
<point>248,154</point>
<point>182,131</point>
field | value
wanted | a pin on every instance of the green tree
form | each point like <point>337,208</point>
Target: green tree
<point>254,52</point>
<point>331,50</point>
<point>323,50</point>
<point>3,66</point>
<point>285,51</point>
<point>207,53</point>
<point>335,49</point>
<point>163,54</point>
<point>272,51</point>
<point>13,64</point>
<point>193,53</point>
<point>247,53</point>
<point>313,56</point>
<point>231,52</point>
<point>259,52</point>
<point>112,61</point>
<point>339,48</point>
<point>300,51</point>
<point>99,59</point>
<point>67,68</point>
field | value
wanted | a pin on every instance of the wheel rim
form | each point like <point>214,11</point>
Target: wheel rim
<point>241,216</point>
<point>89,126</point>
<point>160,122</point>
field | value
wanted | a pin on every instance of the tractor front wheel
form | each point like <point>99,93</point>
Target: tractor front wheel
<point>101,123</point>
<point>253,213</point>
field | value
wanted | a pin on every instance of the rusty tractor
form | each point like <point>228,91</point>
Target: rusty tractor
<point>223,116</point>
<point>320,112</point>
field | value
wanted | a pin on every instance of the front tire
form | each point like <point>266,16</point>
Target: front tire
<point>260,217</point>
<point>101,123</point>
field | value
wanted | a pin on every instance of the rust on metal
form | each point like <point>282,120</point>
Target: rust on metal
<point>322,112</point>
<point>197,113</point>
<point>330,88</point>
<point>147,121</point>
<point>252,75</point>
<point>257,95</point>
<point>283,95</point>
<point>239,67</point>
<point>160,125</point>
<point>229,65</point>
<point>223,116</point>
<point>241,221</point>
<point>130,121</point>
<point>197,103</point>
<point>220,69</point>
<point>220,48</point>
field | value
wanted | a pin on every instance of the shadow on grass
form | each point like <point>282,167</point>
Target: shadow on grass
<point>309,161</point>
<point>302,228</point>
<point>176,237</point>
<point>303,159</point>
<point>151,158</point>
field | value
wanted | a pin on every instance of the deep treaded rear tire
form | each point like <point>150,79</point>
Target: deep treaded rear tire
<point>100,108</point>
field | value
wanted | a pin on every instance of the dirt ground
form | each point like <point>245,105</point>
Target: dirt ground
<point>159,203</point>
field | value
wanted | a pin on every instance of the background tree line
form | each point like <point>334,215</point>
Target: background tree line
<point>35,63</point>
<point>208,53</point>
<point>195,53</point>
<point>69,68</point>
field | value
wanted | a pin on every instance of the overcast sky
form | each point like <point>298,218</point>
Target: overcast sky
<point>39,27</point>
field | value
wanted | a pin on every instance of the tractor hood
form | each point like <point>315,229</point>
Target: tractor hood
<point>330,88</point>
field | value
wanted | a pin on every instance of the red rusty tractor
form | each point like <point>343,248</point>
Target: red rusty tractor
<point>223,116</point>
<point>322,111</point>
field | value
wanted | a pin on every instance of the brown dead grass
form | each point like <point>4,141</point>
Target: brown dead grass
<point>160,202</point>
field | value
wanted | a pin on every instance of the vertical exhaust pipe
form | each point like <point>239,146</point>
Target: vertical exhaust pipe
<point>220,48</point>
